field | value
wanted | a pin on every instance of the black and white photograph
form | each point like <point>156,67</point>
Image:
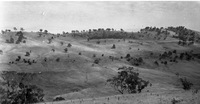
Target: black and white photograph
<point>99,52</point>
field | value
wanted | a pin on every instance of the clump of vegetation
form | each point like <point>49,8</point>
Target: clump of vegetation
<point>69,45</point>
<point>65,50</point>
<point>174,101</point>
<point>58,99</point>
<point>113,47</point>
<point>15,89</point>
<point>128,81</point>
<point>185,36</point>
<point>98,42</point>
<point>136,61</point>
<point>58,59</point>
<point>186,84</point>
<point>27,54</point>
<point>11,40</point>
<point>20,37</point>
<point>96,61</point>
<point>61,43</point>
<point>128,56</point>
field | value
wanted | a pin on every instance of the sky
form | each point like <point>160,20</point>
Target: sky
<point>58,16</point>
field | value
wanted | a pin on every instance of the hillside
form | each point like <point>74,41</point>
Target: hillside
<point>73,73</point>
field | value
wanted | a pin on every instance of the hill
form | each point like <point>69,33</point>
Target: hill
<point>72,72</point>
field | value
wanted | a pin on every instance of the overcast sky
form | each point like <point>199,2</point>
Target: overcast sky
<point>66,16</point>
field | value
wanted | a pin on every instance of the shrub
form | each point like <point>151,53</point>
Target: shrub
<point>136,61</point>
<point>58,59</point>
<point>65,50</point>
<point>98,42</point>
<point>58,99</point>
<point>174,101</point>
<point>69,45</point>
<point>61,43</point>
<point>96,61</point>
<point>113,47</point>
<point>11,40</point>
<point>128,80</point>
<point>27,54</point>
<point>128,55</point>
<point>186,84</point>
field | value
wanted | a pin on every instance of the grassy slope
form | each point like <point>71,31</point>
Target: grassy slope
<point>79,79</point>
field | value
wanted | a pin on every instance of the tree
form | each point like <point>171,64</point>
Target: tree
<point>22,29</point>
<point>121,30</point>
<point>14,28</point>
<point>108,29</point>
<point>128,81</point>
<point>41,30</point>
<point>45,31</point>
<point>16,90</point>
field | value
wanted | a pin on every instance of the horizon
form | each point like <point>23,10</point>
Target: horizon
<point>58,16</point>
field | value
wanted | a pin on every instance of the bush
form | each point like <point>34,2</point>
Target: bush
<point>69,45</point>
<point>65,50</point>
<point>98,42</point>
<point>58,99</point>
<point>186,84</point>
<point>136,61</point>
<point>128,80</point>
<point>94,55</point>
<point>128,55</point>
<point>27,54</point>
<point>113,47</point>
<point>58,59</point>
<point>96,61</point>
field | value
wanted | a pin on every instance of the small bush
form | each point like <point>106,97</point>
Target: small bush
<point>27,54</point>
<point>113,47</point>
<point>65,50</point>
<point>58,99</point>
<point>174,101</point>
<point>94,55</point>
<point>128,55</point>
<point>96,61</point>
<point>58,59</point>
<point>69,45</point>
<point>186,84</point>
<point>98,42</point>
